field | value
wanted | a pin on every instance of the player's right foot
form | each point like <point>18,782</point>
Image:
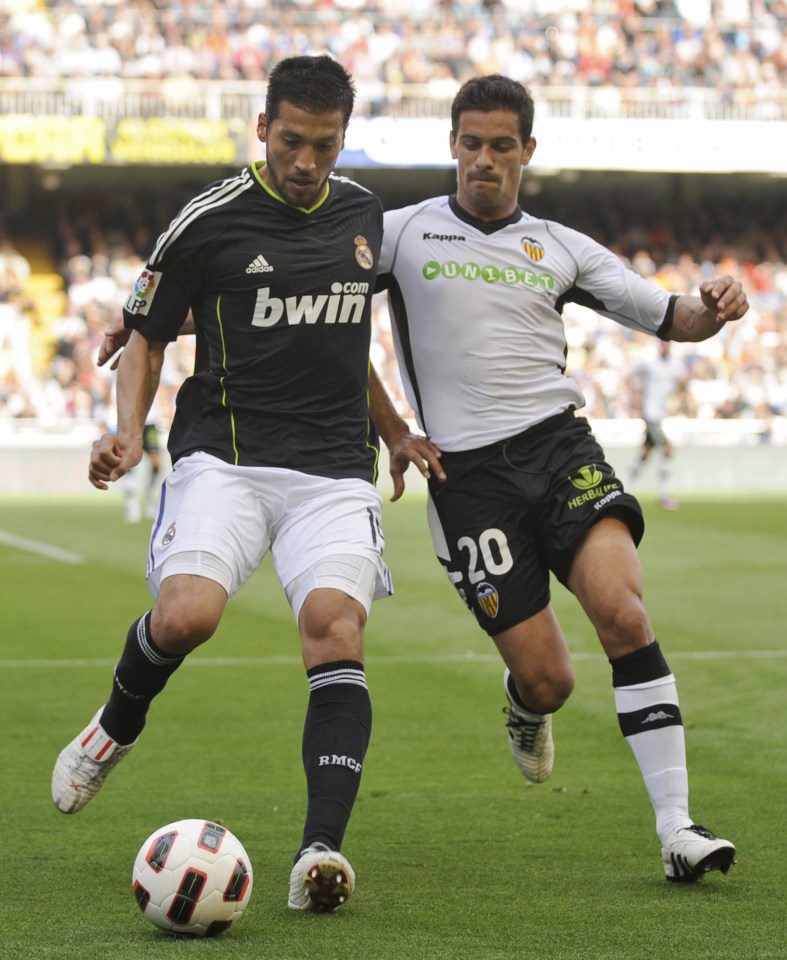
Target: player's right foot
<point>321,880</point>
<point>530,737</point>
<point>84,765</point>
<point>693,851</point>
<point>668,503</point>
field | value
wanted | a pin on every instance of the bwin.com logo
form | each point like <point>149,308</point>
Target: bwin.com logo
<point>587,477</point>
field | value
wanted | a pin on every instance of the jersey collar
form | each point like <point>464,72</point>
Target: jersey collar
<point>485,226</point>
<point>259,164</point>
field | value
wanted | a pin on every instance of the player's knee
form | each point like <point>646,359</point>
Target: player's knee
<point>623,625</point>
<point>178,628</point>
<point>547,693</point>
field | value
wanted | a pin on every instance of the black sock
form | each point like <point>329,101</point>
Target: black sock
<point>335,737</point>
<point>141,673</point>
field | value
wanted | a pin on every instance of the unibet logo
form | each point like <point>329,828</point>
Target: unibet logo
<point>451,270</point>
<point>587,477</point>
<point>345,304</point>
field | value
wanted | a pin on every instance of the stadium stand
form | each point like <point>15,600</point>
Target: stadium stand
<point>66,266</point>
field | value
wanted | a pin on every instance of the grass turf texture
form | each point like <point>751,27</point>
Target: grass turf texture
<point>456,856</point>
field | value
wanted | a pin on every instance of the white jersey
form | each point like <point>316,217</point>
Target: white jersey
<point>476,309</point>
<point>660,378</point>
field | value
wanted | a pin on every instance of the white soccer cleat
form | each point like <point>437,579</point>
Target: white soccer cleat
<point>530,737</point>
<point>84,765</point>
<point>321,880</point>
<point>693,851</point>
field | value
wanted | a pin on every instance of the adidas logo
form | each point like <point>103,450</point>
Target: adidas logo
<point>259,265</point>
<point>657,715</point>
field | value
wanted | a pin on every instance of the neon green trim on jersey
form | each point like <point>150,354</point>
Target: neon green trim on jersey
<point>226,372</point>
<point>255,169</point>
<point>369,425</point>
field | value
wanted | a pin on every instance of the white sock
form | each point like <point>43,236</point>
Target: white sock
<point>650,719</point>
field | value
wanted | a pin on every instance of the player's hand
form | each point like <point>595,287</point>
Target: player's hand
<point>410,448</point>
<point>724,297</point>
<point>115,338</point>
<point>110,459</point>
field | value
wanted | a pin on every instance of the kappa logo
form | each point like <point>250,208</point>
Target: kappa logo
<point>656,715</point>
<point>259,265</point>
<point>443,236</point>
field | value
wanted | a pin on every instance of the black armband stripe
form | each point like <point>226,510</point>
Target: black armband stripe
<point>650,718</point>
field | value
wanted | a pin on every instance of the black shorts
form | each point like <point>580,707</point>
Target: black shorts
<point>150,442</point>
<point>654,434</point>
<point>510,513</point>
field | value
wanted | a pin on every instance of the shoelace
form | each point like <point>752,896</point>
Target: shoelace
<point>523,732</point>
<point>702,832</point>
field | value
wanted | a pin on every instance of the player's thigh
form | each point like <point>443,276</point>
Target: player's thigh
<point>606,578</point>
<point>481,537</point>
<point>331,537</point>
<point>213,522</point>
<point>584,489</point>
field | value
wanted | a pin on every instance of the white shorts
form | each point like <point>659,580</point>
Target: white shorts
<point>218,521</point>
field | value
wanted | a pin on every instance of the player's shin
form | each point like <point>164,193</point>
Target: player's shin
<point>141,673</point>
<point>646,699</point>
<point>335,737</point>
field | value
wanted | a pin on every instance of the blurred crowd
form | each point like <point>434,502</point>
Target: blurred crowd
<point>724,45</point>
<point>48,363</point>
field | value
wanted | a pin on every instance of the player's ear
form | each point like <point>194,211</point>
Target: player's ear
<point>452,142</point>
<point>262,128</point>
<point>527,153</point>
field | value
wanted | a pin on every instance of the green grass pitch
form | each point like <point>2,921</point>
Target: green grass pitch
<point>457,858</point>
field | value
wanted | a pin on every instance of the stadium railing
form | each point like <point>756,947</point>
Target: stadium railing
<point>111,98</point>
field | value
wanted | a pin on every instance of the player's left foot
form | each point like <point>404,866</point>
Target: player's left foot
<point>321,880</point>
<point>693,851</point>
<point>530,739</point>
<point>668,503</point>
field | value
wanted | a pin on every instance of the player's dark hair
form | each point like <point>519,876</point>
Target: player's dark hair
<point>317,84</point>
<point>495,92</point>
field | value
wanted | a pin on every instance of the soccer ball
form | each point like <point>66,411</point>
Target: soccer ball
<point>193,878</point>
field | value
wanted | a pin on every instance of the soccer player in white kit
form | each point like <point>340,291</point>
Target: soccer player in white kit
<point>657,380</point>
<point>476,287</point>
<point>271,445</point>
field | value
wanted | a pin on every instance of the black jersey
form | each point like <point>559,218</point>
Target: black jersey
<point>281,299</point>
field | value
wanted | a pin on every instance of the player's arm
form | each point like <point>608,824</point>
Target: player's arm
<point>116,337</point>
<point>139,371</point>
<point>404,447</point>
<point>698,318</point>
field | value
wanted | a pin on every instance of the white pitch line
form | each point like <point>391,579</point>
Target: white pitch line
<point>42,549</point>
<point>383,659</point>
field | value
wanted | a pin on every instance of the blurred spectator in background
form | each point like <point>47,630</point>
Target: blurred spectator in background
<point>656,383</point>
<point>736,48</point>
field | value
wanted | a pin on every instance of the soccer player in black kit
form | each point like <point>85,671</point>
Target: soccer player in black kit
<point>271,444</point>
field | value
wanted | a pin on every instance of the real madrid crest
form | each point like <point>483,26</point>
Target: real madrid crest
<point>363,255</point>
